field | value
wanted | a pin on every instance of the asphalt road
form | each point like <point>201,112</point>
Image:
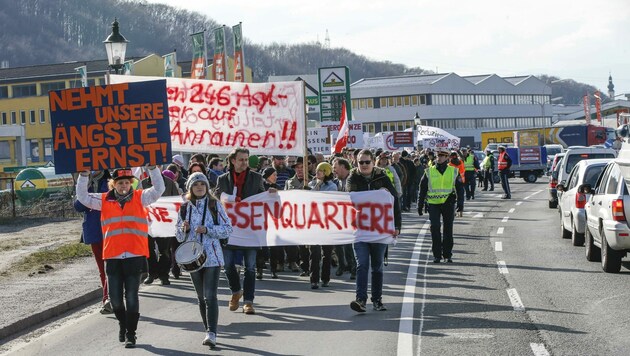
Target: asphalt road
<point>515,288</point>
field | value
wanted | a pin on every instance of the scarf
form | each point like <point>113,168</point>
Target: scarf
<point>239,182</point>
<point>122,199</point>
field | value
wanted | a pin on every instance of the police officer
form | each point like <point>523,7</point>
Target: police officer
<point>438,188</point>
<point>503,164</point>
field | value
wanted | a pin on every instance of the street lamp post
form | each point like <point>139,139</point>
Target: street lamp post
<point>116,46</point>
<point>417,122</point>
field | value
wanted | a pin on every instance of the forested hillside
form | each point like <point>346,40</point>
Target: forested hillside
<point>53,31</point>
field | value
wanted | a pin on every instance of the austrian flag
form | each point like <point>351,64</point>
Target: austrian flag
<point>344,130</point>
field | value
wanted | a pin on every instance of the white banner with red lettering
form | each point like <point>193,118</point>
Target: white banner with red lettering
<point>295,217</point>
<point>210,116</point>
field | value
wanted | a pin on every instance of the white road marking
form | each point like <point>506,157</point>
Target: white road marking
<point>502,267</point>
<point>479,215</point>
<point>498,246</point>
<point>511,210</point>
<point>517,304</point>
<point>505,219</point>
<point>519,203</point>
<point>539,349</point>
<point>531,195</point>
<point>405,327</point>
<point>500,230</point>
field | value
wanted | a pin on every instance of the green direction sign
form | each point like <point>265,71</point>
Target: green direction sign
<point>334,89</point>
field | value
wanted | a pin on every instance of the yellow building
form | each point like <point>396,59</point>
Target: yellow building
<point>25,132</point>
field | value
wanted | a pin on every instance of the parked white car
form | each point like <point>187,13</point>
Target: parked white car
<point>573,198</point>
<point>607,234</point>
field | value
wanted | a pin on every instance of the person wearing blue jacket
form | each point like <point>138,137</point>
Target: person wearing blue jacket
<point>92,234</point>
<point>203,219</point>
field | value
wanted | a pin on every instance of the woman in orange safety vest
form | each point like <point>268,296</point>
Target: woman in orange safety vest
<point>125,245</point>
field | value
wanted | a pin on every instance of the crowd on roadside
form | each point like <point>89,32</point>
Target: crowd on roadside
<point>401,173</point>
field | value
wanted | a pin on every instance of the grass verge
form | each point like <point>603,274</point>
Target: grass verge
<point>63,253</point>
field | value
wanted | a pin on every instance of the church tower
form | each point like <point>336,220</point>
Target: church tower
<point>611,88</point>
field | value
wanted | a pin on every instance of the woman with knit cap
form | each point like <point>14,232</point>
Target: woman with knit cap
<point>124,222</point>
<point>323,181</point>
<point>203,220</point>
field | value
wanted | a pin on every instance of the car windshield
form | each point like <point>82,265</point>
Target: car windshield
<point>575,158</point>
<point>552,151</point>
<point>592,173</point>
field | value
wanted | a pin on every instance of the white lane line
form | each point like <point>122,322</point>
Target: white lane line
<point>539,349</point>
<point>479,215</point>
<point>511,211</point>
<point>502,267</point>
<point>517,304</point>
<point>500,230</point>
<point>405,327</point>
<point>498,246</point>
<point>505,219</point>
<point>531,195</point>
<point>519,203</point>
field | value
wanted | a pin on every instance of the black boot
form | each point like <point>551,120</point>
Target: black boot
<point>132,325</point>
<point>122,324</point>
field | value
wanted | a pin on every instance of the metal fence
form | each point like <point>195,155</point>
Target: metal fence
<point>59,205</point>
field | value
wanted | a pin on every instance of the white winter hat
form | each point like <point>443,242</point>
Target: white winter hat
<point>196,177</point>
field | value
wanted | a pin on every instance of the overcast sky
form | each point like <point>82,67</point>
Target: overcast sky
<point>576,39</point>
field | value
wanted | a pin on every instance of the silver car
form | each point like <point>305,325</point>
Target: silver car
<point>573,199</point>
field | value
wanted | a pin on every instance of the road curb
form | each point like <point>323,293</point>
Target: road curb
<point>49,313</point>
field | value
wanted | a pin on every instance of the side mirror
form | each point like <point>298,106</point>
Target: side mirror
<point>585,189</point>
<point>560,187</point>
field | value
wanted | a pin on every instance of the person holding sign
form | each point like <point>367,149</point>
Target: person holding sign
<point>363,178</point>
<point>438,186</point>
<point>124,222</point>
<point>203,220</point>
<point>237,184</point>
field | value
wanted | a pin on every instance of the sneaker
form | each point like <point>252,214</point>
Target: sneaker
<point>325,284</point>
<point>248,308</point>
<point>259,273</point>
<point>274,275</point>
<point>358,305</point>
<point>210,340</point>
<point>436,260</point>
<point>149,280</point>
<point>233,303</point>
<point>314,285</point>
<point>304,274</point>
<point>107,308</point>
<point>294,267</point>
<point>130,343</point>
<point>378,305</point>
<point>449,260</point>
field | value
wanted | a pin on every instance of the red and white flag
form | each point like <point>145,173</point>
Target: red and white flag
<point>344,130</point>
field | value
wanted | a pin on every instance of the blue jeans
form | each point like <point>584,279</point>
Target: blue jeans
<point>206,283</point>
<point>366,253</point>
<point>123,276</point>
<point>234,280</point>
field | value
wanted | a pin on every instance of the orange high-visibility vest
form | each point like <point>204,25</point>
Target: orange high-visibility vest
<point>502,163</point>
<point>461,168</point>
<point>124,230</point>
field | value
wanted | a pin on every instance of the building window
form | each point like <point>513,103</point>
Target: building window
<point>505,123</point>
<point>390,102</point>
<point>414,100</point>
<point>48,149</point>
<point>422,99</point>
<point>524,99</point>
<point>523,122</point>
<point>24,90</point>
<point>33,150</point>
<point>13,118</point>
<point>486,123</point>
<point>541,99</point>
<point>46,87</point>
<point>370,103</point>
<point>355,104</point>
<point>22,117</point>
<point>383,102</point>
<point>4,118</point>
<point>464,99</point>
<point>505,99</point>
<point>4,92</point>
<point>32,117</point>
<point>369,128</point>
<point>5,151</point>
<point>362,104</point>
<point>441,99</point>
<point>466,124</point>
<point>484,99</point>
<point>42,116</point>
<point>407,100</point>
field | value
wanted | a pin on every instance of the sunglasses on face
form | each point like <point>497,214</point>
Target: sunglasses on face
<point>364,162</point>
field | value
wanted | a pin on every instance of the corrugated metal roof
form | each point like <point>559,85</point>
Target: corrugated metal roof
<point>475,79</point>
<point>516,80</point>
<point>400,80</point>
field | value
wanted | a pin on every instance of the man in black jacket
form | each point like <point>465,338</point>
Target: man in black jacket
<point>363,178</point>
<point>240,183</point>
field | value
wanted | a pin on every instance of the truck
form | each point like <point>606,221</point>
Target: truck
<point>528,163</point>
<point>564,133</point>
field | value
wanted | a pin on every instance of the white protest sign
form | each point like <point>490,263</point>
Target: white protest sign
<point>216,116</point>
<point>317,140</point>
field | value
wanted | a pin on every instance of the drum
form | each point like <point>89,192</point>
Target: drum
<point>190,256</point>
